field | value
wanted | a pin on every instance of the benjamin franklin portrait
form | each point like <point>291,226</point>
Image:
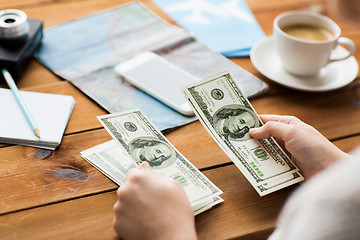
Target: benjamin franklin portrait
<point>158,153</point>
<point>234,122</point>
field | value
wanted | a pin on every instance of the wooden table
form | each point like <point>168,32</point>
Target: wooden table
<point>58,195</point>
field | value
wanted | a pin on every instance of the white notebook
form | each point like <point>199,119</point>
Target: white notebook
<point>51,113</point>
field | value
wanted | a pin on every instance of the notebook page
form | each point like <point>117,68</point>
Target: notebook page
<point>50,112</point>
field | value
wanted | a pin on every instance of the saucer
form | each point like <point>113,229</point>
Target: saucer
<point>335,75</point>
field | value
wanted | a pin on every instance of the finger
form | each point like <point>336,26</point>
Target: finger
<point>117,225</point>
<point>145,166</point>
<point>280,118</point>
<point>138,175</point>
<point>119,190</point>
<point>116,206</point>
<point>132,171</point>
<point>279,130</point>
<point>134,175</point>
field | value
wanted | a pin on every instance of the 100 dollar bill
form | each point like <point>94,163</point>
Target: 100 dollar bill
<point>144,142</point>
<point>114,162</point>
<point>228,116</point>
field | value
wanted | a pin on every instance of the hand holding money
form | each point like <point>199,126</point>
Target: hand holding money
<point>310,150</point>
<point>152,206</point>
<point>140,141</point>
<point>228,116</point>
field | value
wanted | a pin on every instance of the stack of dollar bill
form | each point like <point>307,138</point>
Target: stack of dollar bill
<point>135,140</point>
<point>228,115</point>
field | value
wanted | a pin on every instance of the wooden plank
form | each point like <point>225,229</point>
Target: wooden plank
<point>50,174</point>
<point>348,144</point>
<point>241,206</point>
<point>243,214</point>
<point>38,177</point>
<point>284,5</point>
<point>256,5</point>
<point>90,217</point>
<point>203,154</point>
<point>84,218</point>
<point>18,3</point>
<point>335,114</point>
<point>194,142</point>
<point>243,211</point>
<point>63,174</point>
<point>197,146</point>
<point>31,177</point>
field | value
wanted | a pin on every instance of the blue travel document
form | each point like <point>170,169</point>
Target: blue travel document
<point>227,27</point>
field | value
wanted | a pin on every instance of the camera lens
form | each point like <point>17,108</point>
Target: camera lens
<point>14,27</point>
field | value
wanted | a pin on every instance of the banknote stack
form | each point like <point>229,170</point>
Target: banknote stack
<point>135,140</point>
<point>227,115</point>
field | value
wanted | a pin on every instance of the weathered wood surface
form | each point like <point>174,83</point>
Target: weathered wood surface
<point>27,173</point>
<point>243,212</point>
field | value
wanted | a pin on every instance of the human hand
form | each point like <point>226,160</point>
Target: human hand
<point>309,150</point>
<point>152,206</point>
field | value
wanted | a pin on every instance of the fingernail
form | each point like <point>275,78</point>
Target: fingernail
<point>144,165</point>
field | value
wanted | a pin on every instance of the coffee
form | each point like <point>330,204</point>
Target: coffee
<point>306,58</point>
<point>308,32</point>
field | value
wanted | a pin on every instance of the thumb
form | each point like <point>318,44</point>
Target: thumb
<point>145,166</point>
<point>278,130</point>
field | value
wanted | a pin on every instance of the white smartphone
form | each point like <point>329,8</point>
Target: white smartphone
<point>161,79</point>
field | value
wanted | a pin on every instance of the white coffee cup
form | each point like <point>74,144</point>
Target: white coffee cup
<point>307,57</point>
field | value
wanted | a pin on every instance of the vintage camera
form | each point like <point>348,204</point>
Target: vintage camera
<point>19,39</point>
